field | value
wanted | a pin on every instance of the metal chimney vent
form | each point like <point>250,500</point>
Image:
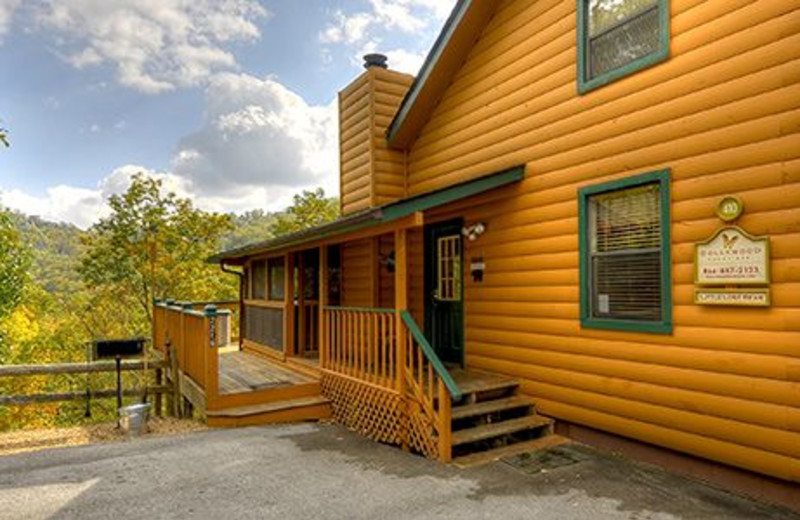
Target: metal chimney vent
<point>375,60</point>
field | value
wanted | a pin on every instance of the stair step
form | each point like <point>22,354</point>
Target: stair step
<point>484,457</point>
<point>487,431</point>
<point>276,406</point>
<point>495,405</point>
<point>470,382</point>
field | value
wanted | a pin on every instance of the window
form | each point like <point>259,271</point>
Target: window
<point>277,279</point>
<point>619,37</point>
<point>625,254</point>
<point>258,282</point>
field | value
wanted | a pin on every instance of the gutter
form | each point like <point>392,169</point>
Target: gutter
<point>241,300</point>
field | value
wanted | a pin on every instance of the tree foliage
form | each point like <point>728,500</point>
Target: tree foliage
<point>155,245</point>
<point>14,264</point>
<point>310,208</point>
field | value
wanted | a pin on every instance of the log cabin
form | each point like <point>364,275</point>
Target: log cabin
<point>538,235</point>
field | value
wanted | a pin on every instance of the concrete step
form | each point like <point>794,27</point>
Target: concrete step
<point>493,406</point>
<point>484,457</point>
<point>487,431</point>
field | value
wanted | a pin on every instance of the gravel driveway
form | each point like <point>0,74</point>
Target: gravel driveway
<point>323,471</point>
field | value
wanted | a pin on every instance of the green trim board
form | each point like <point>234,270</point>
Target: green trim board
<point>383,214</point>
<point>586,84</point>
<point>664,326</point>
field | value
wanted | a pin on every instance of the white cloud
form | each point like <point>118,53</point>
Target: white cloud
<point>155,45</point>
<point>365,31</point>
<point>259,133</point>
<point>7,8</point>
<point>85,206</point>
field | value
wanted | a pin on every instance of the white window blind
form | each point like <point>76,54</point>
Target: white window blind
<point>625,254</point>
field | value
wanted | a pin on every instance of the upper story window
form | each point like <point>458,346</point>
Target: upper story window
<point>625,254</point>
<point>619,37</point>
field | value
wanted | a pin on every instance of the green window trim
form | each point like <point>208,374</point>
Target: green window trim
<point>586,85</point>
<point>662,177</point>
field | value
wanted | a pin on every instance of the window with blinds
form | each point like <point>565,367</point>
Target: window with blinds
<point>625,254</point>
<point>616,35</point>
<point>258,281</point>
<point>625,278</point>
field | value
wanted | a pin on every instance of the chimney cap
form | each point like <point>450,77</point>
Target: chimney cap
<point>375,60</point>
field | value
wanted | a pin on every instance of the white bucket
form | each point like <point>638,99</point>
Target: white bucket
<point>134,418</point>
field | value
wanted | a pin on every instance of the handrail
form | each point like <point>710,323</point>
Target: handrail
<point>359,309</point>
<point>427,349</point>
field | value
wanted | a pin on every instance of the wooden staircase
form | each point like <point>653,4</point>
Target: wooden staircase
<point>493,420</point>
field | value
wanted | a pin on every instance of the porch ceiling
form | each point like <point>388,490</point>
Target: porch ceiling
<point>403,213</point>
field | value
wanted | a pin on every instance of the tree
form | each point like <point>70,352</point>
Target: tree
<point>15,259</point>
<point>310,209</point>
<point>155,245</point>
<point>4,137</point>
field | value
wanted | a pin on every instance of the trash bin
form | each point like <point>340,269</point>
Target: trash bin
<point>134,418</point>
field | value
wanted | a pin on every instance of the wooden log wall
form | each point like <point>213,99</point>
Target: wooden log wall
<point>360,274</point>
<point>723,113</point>
<point>371,173</point>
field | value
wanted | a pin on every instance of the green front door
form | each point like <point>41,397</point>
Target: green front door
<point>444,301</point>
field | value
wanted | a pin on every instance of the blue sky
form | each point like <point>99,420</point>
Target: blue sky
<point>229,102</point>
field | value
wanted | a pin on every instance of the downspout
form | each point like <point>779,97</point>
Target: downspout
<point>241,300</point>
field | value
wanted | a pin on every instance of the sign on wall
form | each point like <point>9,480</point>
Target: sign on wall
<point>732,256</point>
<point>732,267</point>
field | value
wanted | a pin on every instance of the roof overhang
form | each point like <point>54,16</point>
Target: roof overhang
<point>457,38</point>
<point>401,214</point>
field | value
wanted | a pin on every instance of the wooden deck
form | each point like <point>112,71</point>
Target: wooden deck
<point>241,372</point>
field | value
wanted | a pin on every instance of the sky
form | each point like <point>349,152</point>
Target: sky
<point>231,103</point>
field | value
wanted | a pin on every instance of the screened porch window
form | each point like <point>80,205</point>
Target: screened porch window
<point>258,281</point>
<point>618,37</point>
<point>625,254</point>
<point>277,279</point>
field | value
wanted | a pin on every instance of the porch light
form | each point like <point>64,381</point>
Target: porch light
<point>474,231</point>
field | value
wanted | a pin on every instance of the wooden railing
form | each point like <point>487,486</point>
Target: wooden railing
<point>386,382</point>
<point>192,337</point>
<point>361,343</point>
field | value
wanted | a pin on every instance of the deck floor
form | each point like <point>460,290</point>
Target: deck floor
<point>245,372</point>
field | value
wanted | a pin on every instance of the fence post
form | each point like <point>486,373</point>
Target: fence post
<point>176,387</point>
<point>210,354</point>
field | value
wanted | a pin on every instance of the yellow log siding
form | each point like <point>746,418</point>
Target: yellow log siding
<point>371,173</point>
<point>359,267</point>
<point>723,114</point>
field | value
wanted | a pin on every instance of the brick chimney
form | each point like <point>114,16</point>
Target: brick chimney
<point>371,174</point>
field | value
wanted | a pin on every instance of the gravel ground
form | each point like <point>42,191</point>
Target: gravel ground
<point>20,441</point>
<point>325,472</point>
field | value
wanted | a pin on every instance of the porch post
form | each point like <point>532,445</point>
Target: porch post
<point>300,347</point>
<point>288,305</point>
<point>323,302</point>
<point>401,304</point>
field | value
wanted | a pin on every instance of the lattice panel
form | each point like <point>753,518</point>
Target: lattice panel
<point>422,435</point>
<point>372,412</point>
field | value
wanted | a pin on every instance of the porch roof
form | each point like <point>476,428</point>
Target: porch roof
<point>387,213</point>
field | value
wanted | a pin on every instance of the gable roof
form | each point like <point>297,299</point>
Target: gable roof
<point>460,32</point>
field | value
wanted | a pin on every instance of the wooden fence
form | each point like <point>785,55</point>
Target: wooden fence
<point>9,371</point>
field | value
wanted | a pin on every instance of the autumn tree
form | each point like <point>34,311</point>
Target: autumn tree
<point>309,209</point>
<point>15,261</point>
<point>155,245</point>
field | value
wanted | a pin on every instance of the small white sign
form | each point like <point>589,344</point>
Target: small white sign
<point>603,303</point>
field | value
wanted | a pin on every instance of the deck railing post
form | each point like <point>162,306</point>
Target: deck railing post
<point>445,423</point>
<point>210,353</point>
<point>401,304</point>
<point>323,302</point>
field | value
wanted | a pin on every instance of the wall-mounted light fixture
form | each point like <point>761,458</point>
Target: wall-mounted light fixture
<point>474,231</point>
<point>387,261</point>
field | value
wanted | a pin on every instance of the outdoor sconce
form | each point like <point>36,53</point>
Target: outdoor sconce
<point>474,231</point>
<point>476,268</point>
<point>388,262</point>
